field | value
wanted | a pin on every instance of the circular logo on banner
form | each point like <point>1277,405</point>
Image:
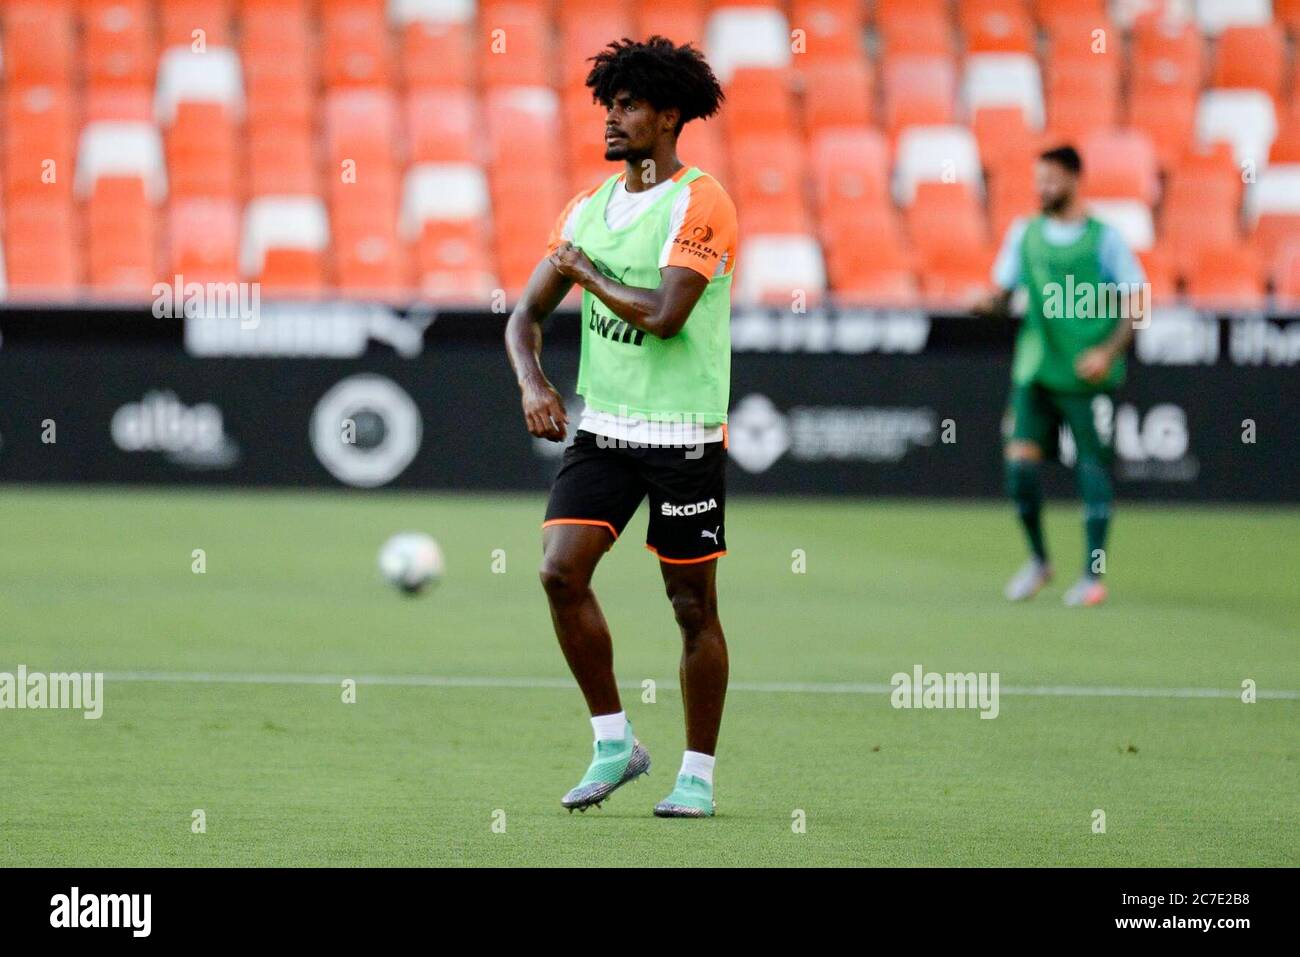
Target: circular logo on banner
<point>366,430</point>
<point>758,433</point>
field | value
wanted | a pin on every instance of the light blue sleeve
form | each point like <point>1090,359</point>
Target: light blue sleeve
<point>1006,268</point>
<point>1118,264</point>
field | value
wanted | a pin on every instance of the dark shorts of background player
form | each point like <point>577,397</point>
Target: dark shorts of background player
<point>1037,414</point>
<point>687,489</point>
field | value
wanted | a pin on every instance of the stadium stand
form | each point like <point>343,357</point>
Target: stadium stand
<point>877,150</point>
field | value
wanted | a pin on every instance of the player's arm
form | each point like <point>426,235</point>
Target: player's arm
<point>1120,266</point>
<point>543,408</point>
<point>660,312</point>
<point>996,301</point>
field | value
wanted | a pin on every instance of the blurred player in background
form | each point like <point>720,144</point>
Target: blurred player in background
<point>653,249</point>
<point>1085,289</point>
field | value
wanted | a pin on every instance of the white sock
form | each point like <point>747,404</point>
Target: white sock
<point>609,727</point>
<point>699,765</point>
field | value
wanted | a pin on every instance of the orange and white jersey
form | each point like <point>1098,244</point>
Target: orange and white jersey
<point>702,229</point>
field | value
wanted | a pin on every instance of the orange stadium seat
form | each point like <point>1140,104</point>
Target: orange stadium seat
<point>118,45</point>
<point>1285,274</point>
<point>682,21</point>
<point>1012,193</point>
<point>1083,95</point>
<point>850,169</point>
<point>203,240</point>
<point>767,177</point>
<point>1226,275</point>
<point>919,91</point>
<point>1167,55</point>
<point>584,30</point>
<point>355,44</point>
<point>760,102</point>
<point>181,18</point>
<point>833,30</point>
<point>40,42</point>
<point>437,53</point>
<point>281,161</point>
<point>441,125</point>
<point>133,102</point>
<point>920,33</point>
<point>996,26</point>
<point>121,238</point>
<point>369,258</point>
<point>890,14</point>
<point>1251,57</point>
<point>39,141</point>
<point>515,45</point>
<point>41,257</point>
<point>1003,135</point>
<point>1160,273</point>
<point>1168,119</point>
<point>1119,164</point>
<point>201,155</point>
<point>1288,13</point>
<point>702,145</point>
<point>837,94</point>
<point>944,218</point>
<point>868,263</point>
<point>950,276</point>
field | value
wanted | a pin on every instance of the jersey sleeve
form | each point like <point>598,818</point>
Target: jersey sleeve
<point>563,229</point>
<point>1118,264</point>
<point>1006,268</point>
<point>702,232</point>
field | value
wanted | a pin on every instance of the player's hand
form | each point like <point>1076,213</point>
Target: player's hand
<point>544,412</point>
<point>572,263</point>
<point>1093,364</point>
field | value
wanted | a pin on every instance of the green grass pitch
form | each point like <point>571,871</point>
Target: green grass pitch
<point>288,774</point>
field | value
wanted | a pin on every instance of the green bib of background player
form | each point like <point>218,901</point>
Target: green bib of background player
<point>625,371</point>
<point>1071,309</point>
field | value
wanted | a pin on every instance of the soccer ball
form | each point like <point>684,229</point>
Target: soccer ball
<point>410,561</point>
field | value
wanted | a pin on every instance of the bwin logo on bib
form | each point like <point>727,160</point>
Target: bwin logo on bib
<point>669,510</point>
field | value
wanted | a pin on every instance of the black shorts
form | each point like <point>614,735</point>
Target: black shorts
<point>605,486</point>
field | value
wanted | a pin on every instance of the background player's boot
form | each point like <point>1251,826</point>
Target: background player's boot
<point>1085,593</point>
<point>613,764</point>
<point>692,797</point>
<point>1029,581</point>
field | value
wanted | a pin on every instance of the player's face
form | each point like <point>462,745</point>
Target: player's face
<point>1056,186</point>
<point>631,128</point>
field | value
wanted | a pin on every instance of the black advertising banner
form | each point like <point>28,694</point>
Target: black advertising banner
<point>375,400</point>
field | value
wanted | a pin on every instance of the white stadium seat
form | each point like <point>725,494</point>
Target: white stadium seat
<point>445,192</point>
<point>188,77</point>
<point>1003,80</point>
<point>402,12</point>
<point>1244,118</point>
<point>776,265</point>
<point>746,36</point>
<point>281,222</point>
<point>944,154</point>
<point>1215,15</point>
<point>121,148</point>
<point>1275,193</point>
<point>1131,217</point>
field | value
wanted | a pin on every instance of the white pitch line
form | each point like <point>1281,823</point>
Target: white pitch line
<point>805,687</point>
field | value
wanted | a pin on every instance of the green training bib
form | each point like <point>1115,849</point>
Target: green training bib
<point>625,371</point>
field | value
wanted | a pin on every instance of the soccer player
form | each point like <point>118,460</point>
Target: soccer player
<point>653,249</point>
<point>1084,291</point>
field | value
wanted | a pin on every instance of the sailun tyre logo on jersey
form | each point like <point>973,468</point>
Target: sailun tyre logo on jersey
<point>366,430</point>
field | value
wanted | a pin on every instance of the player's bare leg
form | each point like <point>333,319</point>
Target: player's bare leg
<point>1024,459</point>
<point>570,556</point>
<point>692,589</point>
